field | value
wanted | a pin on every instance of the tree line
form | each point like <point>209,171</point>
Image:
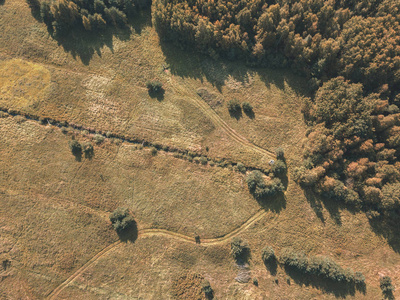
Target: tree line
<point>64,16</point>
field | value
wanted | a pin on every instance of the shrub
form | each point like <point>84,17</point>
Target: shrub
<point>359,278</point>
<point>206,287</point>
<point>247,108</point>
<point>239,248</point>
<point>191,154</point>
<point>98,138</point>
<point>255,281</point>
<point>153,151</point>
<point>203,160</point>
<point>280,154</point>
<point>75,147</point>
<point>241,168</point>
<point>88,149</point>
<point>279,167</point>
<point>121,219</point>
<point>254,180</point>
<point>260,189</point>
<point>234,107</point>
<point>319,266</point>
<point>268,254</point>
<point>154,86</point>
<point>386,285</point>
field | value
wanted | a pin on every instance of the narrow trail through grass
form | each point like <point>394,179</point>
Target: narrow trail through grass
<point>218,121</point>
<point>158,232</point>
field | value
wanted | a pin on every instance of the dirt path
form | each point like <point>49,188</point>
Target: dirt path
<point>205,242</point>
<point>158,232</point>
<point>217,120</point>
<point>57,290</point>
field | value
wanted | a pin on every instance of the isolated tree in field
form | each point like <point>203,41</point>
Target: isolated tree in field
<point>247,108</point>
<point>387,287</point>
<point>154,86</point>
<point>75,147</point>
<point>121,219</point>
<point>268,254</point>
<point>240,249</point>
<point>234,107</point>
<point>207,289</point>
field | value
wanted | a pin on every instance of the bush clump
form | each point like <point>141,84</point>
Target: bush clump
<point>319,266</point>
<point>206,288</point>
<point>268,254</point>
<point>279,167</point>
<point>234,107</point>
<point>203,160</point>
<point>154,151</point>
<point>240,249</point>
<point>75,147</point>
<point>88,149</point>
<point>260,189</point>
<point>154,86</point>
<point>241,167</point>
<point>255,281</point>
<point>247,108</point>
<point>121,219</point>
<point>386,285</point>
<point>280,153</point>
<point>98,138</point>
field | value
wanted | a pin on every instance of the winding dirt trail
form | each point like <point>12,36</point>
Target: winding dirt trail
<point>158,232</point>
<point>181,237</point>
<point>205,242</point>
<point>92,261</point>
<point>217,120</point>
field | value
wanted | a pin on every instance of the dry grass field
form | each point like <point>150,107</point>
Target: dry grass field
<point>56,240</point>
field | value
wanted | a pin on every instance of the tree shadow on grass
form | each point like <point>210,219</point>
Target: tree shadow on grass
<point>84,44</point>
<point>250,114</point>
<point>2,2</point>
<point>130,234</point>
<point>77,154</point>
<point>388,295</point>
<point>188,62</point>
<point>274,203</point>
<point>333,207</point>
<point>272,266</point>
<point>159,95</point>
<point>237,114</point>
<point>338,289</point>
<point>388,228</point>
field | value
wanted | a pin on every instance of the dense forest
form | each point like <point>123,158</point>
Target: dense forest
<point>349,50</point>
<point>355,39</point>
